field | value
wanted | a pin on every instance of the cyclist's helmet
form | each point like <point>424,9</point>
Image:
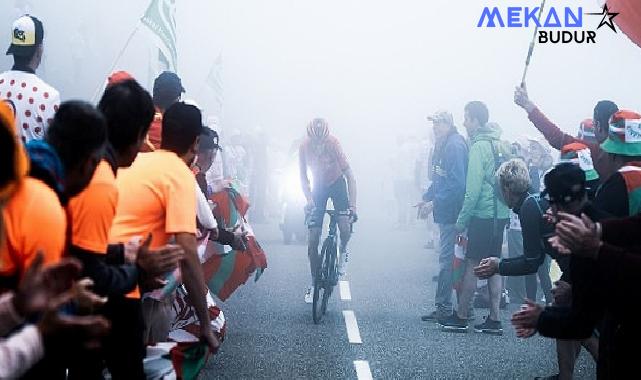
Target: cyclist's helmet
<point>318,129</point>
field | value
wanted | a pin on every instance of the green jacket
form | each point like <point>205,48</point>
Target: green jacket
<point>479,191</point>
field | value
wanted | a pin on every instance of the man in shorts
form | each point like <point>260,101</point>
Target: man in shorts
<point>484,217</point>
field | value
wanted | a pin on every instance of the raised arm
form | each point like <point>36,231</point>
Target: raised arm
<point>552,133</point>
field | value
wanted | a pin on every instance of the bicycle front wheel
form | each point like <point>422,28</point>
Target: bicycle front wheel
<point>323,283</point>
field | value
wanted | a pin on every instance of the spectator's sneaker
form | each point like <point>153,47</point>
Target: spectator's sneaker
<point>489,327</point>
<point>309,295</point>
<point>453,323</point>
<point>435,316</point>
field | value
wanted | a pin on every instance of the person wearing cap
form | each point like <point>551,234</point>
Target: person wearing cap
<point>612,245</point>
<point>565,191</point>
<point>167,90</point>
<point>157,195</point>
<point>446,194</point>
<point>128,111</point>
<point>579,154</point>
<point>620,194</point>
<point>483,215</point>
<point>34,100</point>
<point>557,138</point>
<point>322,154</point>
<point>619,197</point>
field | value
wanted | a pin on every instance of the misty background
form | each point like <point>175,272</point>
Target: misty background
<point>374,69</point>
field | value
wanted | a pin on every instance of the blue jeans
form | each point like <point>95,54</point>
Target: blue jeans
<point>446,256</point>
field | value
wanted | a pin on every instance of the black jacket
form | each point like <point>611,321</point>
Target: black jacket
<point>535,231</point>
<point>596,304</point>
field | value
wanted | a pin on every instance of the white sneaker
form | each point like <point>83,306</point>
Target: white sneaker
<point>309,295</point>
<point>342,264</point>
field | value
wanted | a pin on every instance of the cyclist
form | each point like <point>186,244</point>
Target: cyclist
<point>332,178</point>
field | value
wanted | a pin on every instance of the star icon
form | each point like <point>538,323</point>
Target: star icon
<point>607,18</point>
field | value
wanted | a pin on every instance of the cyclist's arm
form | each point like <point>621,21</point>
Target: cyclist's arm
<point>351,186</point>
<point>304,180</point>
<point>347,172</point>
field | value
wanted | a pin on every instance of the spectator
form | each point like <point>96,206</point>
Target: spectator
<point>39,296</point>
<point>514,182</point>
<point>168,89</point>
<point>483,215</point>
<point>446,193</point>
<point>579,154</point>
<point>157,194</point>
<point>557,139</point>
<point>619,197</point>
<point>74,144</point>
<point>128,111</point>
<point>34,101</point>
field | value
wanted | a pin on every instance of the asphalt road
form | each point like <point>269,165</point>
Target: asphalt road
<point>271,334</point>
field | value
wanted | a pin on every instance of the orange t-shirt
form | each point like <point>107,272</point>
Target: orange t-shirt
<point>157,195</point>
<point>34,220</point>
<point>93,211</point>
<point>155,130</point>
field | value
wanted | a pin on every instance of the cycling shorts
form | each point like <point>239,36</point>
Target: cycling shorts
<point>337,192</point>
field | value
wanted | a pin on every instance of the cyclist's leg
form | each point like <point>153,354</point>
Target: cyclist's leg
<point>315,229</point>
<point>340,198</point>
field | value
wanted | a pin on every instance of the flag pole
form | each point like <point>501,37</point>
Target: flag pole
<point>115,62</point>
<point>532,44</point>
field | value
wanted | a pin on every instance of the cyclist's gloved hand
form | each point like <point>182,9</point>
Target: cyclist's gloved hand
<point>353,214</point>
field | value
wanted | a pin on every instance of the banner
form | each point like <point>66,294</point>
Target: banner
<point>214,82</point>
<point>160,18</point>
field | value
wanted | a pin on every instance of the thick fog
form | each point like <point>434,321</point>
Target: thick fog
<point>373,68</point>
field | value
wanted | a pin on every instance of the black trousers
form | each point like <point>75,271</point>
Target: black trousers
<point>123,349</point>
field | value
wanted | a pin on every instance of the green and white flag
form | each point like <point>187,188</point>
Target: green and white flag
<point>160,18</point>
<point>215,84</point>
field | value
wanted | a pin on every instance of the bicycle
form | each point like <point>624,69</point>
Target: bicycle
<point>327,274</point>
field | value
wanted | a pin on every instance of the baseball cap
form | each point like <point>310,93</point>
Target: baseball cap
<point>565,183</point>
<point>170,82</point>
<point>118,77</point>
<point>27,33</point>
<point>441,117</point>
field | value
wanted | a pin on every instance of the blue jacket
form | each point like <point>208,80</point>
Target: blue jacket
<point>449,171</point>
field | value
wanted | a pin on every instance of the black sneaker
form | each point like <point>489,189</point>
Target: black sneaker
<point>453,324</point>
<point>489,327</point>
<point>434,316</point>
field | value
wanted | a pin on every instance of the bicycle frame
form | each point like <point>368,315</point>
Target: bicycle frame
<point>327,275</point>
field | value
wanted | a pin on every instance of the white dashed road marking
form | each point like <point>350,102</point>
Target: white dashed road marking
<point>362,370</point>
<point>353,335</point>
<point>346,294</point>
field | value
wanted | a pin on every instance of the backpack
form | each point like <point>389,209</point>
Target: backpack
<point>501,153</point>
